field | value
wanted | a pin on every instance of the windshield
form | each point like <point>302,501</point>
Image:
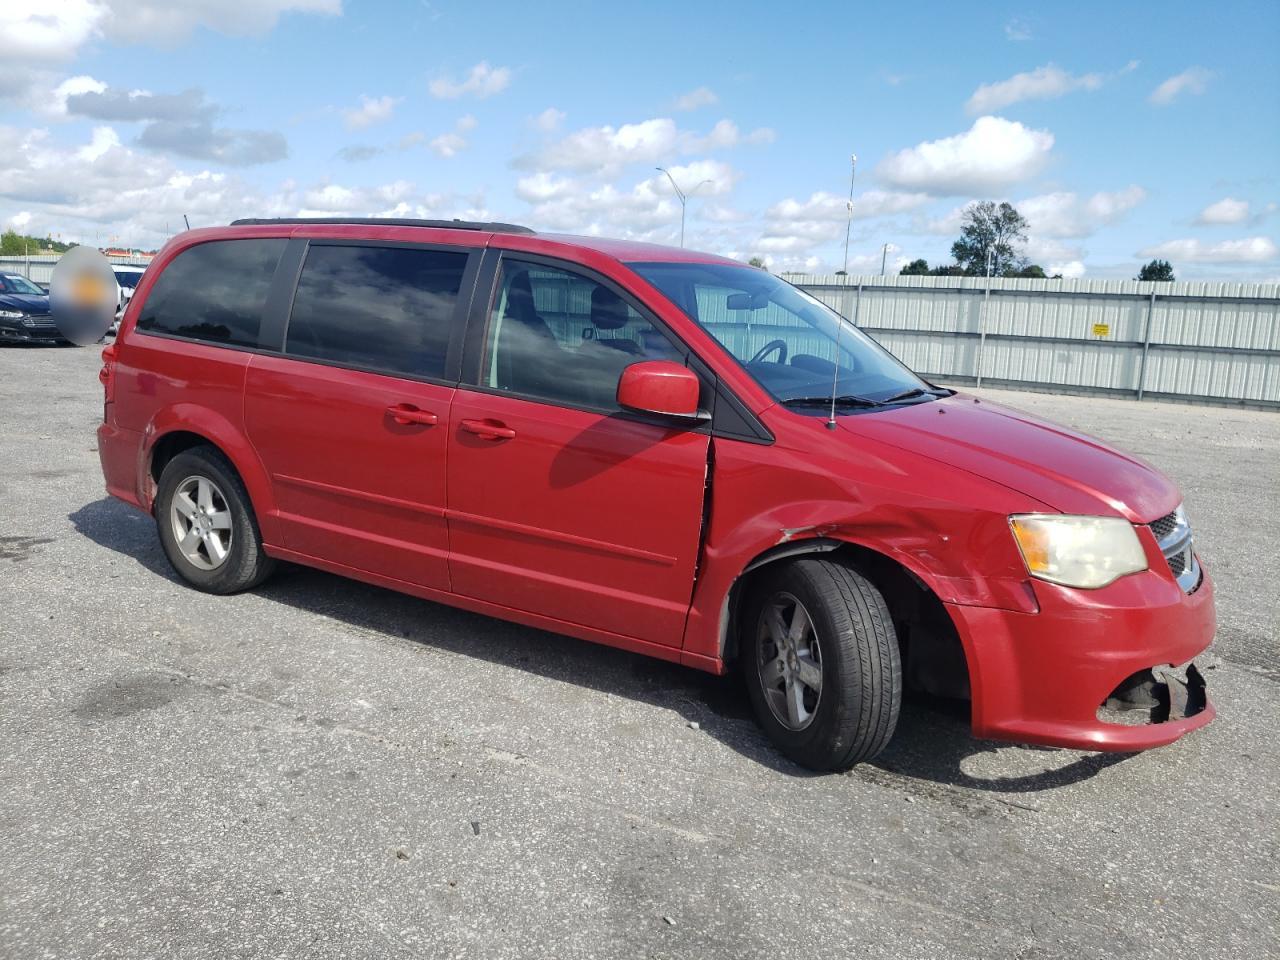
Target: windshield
<point>128,278</point>
<point>13,283</point>
<point>785,338</point>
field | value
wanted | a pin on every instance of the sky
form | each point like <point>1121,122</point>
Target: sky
<point>1122,132</point>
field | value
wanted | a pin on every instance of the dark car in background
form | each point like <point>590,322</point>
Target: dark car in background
<point>24,312</point>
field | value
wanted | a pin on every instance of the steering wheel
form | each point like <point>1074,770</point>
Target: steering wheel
<point>779,345</point>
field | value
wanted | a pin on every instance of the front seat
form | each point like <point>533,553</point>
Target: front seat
<point>610,313</point>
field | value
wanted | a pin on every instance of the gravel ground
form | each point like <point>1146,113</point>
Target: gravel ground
<point>326,769</point>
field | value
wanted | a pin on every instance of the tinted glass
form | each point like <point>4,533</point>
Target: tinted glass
<point>214,291</point>
<point>792,343</point>
<point>387,308</point>
<point>562,337</point>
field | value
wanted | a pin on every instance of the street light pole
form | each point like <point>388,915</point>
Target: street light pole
<point>683,197</point>
<point>884,253</point>
<point>853,172</point>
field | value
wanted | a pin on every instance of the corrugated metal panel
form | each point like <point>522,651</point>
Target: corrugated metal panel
<point>40,269</point>
<point>1208,340</point>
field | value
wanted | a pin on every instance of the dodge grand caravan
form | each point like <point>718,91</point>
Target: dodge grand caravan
<point>664,451</point>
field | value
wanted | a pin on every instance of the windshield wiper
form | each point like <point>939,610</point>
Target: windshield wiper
<point>845,400</point>
<point>908,394</point>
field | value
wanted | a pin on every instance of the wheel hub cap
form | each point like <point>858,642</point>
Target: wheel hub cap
<point>789,660</point>
<point>201,520</point>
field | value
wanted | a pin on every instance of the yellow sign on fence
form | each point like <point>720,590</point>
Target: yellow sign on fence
<point>1102,329</point>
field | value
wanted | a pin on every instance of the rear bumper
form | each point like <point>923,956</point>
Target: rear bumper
<point>119,452</point>
<point>1041,678</point>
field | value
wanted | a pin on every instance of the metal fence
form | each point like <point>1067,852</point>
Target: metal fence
<point>1201,342</point>
<point>40,269</point>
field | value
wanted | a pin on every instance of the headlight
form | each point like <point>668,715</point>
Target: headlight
<point>1087,552</point>
<point>11,314</point>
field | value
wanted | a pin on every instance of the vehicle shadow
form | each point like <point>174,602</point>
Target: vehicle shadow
<point>932,742</point>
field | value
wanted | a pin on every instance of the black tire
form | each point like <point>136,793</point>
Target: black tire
<point>856,712</point>
<point>246,564</point>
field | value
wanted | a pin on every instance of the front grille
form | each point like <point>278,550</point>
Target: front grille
<point>1164,526</point>
<point>1173,534</point>
<point>43,321</point>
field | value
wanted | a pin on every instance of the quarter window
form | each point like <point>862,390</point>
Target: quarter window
<point>562,337</point>
<point>214,291</point>
<point>386,308</point>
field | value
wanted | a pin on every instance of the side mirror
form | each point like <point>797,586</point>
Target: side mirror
<point>659,387</point>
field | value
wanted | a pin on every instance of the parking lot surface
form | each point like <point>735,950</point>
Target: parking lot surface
<point>326,769</point>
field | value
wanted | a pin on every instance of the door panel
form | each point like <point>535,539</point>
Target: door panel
<point>357,463</point>
<point>585,517</point>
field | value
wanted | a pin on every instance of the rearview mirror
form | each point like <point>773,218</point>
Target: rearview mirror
<point>746,301</point>
<point>659,387</point>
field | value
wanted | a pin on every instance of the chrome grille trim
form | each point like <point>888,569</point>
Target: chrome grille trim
<point>1173,534</point>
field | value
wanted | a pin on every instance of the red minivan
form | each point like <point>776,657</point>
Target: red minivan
<point>661,450</point>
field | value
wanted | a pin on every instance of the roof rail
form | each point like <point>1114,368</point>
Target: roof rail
<point>485,226</point>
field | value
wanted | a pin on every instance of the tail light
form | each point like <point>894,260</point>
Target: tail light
<point>107,375</point>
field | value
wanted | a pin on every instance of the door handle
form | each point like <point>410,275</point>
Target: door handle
<point>488,429</point>
<point>403,413</point>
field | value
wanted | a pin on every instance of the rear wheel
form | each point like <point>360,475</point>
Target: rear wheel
<point>206,523</point>
<point>820,657</point>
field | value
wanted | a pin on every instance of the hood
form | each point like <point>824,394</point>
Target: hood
<point>1066,470</point>
<point>26,302</point>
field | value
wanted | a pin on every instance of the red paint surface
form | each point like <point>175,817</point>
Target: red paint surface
<point>590,524</point>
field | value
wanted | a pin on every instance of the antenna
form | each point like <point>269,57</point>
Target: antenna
<point>186,221</point>
<point>835,367</point>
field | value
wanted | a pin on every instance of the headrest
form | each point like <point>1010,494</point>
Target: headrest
<point>608,312</point>
<point>520,298</point>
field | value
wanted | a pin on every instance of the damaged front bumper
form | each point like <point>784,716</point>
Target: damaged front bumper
<point>1093,670</point>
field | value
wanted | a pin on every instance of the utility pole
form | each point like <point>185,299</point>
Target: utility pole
<point>982,321</point>
<point>684,197</point>
<point>853,173</point>
<point>884,253</point>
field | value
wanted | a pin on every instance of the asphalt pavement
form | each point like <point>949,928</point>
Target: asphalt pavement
<point>322,768</point>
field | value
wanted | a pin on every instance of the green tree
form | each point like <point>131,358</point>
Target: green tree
<point>11,245</point>
<point>756,262</point>
<point>997,228</point>
<point>1161,270</point>
<point>916,268</point>
<point>1031,271</point>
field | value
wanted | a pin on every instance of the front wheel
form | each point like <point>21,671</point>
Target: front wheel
<point>820,657</point>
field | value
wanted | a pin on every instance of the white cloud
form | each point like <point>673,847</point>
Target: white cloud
<point>1071,270</point>
<point>37,31</point>
<point>990,156</point>
<point>606,149</point>
<point>702,97</point>
<point>481,81</point>
<point>1226,210</point>
<point>648,210</point>
<point>1042,83</point>
<point>1063,214</point>
<point>70,87</point>
<point>1017,30</point>
<point>1193,80</point>
<point>20,220</point>
<point>370,111</point>
<point>549,120</point>
<point>447,144</point>
<point>167,22</point>
<point>1248,250</point>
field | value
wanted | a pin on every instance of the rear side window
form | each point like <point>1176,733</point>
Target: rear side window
<point>386,308</point>
<point>214,291</point>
